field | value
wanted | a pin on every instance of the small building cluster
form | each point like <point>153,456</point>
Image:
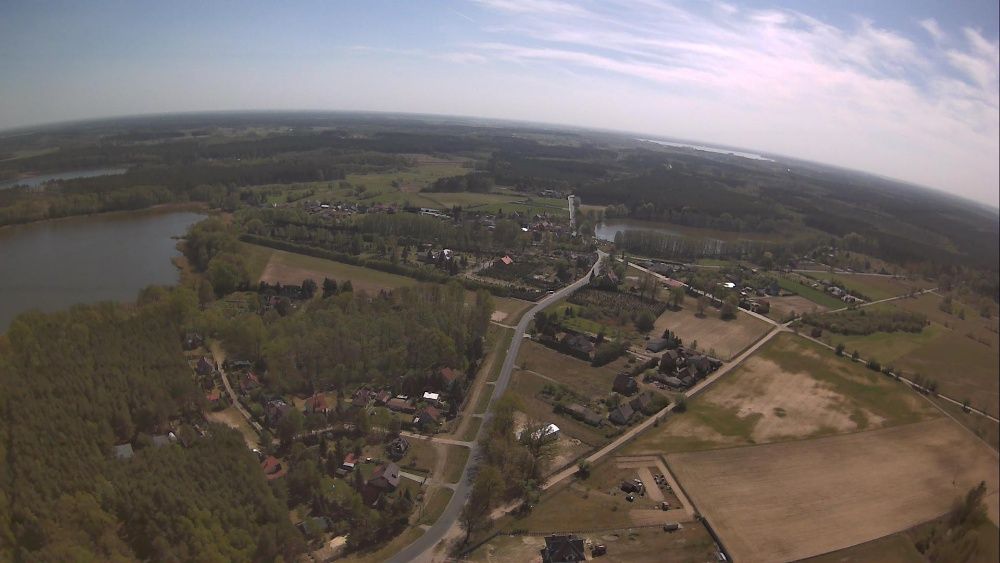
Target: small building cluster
<point>681,368</point>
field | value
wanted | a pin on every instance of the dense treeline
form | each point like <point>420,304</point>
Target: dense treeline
<point>77,382</point>
<point>473,182</point>
<point>400,339</point>
<point>867,321</point>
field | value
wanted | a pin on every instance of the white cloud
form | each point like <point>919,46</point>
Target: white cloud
<point>861,95</point>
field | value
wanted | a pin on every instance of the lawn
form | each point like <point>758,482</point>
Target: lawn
<point>435,505</point>
<point>256,258</point>
<point>291,268</point>
<point>817,296</point>
<point>501,344</point>
<point>454,463</point>
<point>484,399</point>
<point>471,430</point>
<point>572,372</point>
<point>510,309</point>
<point>526,386</point>
<point>719,338</point>
<point>420,458</point>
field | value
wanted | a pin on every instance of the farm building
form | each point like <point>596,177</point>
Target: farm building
<point>547,433</point>
<point>622,414</point>
<point>624,384</point>
<point>656,345</point>
<point>563,549</point>
<point>583,413</point>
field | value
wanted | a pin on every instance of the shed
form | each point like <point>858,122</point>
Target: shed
<point>657,345</point>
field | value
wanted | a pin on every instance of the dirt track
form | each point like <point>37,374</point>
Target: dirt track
<point>788,501</point>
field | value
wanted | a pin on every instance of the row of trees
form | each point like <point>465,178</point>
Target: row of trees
<point>867,321</point>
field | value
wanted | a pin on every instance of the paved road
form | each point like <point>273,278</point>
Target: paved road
<point>422,549</point>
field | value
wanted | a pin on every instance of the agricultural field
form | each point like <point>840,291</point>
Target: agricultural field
<point>876,287</point>
<point>895,548</point>
<point>790,389</point>
<point>291,268</point>
<point>719,338</point>
<point>804,505</point>
<point>783,308</point>
<point>796,284</point>
<point>567,370</point>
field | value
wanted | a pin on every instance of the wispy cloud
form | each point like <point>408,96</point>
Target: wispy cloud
<point>863,94</point>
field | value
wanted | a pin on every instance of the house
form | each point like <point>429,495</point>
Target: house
<point>657,345</point>
<point>314,526</point>
<point>362,397</point>
<point>449,375</point>
<point>192,340</point>
<point>428,416</point>
<point>701,363</point>
<point>622,414</point>
<point>383,396</point>
<point>248,382</point>
<point>214,396</point>
<point>669,361</point>
<point>401,404</point>
<point>385,477</point>
<point>397,448</point>
<point>161,440</point>
<point>350,460</point>
<point>275,410</point>
<point>583,413</point>
<point>563,549</point>
<point>578,343</point>
<point>506,260</point>
<point>624,384</point>
<point>239,364</point>
<point>273,468</point>
<point>548,433</point>
<point>123,451</point>
<point>433,398</point>
<point>204,366</point>
<point>316,404</point>
<point>687,381</point>
<point>643,403</point>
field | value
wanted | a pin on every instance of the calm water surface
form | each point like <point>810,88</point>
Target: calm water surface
<point>606,230</point>
<point>35,181</point>
<point>52,265</point>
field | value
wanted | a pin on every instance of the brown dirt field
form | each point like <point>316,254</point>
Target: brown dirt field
<point>727,338</point>
<point>792,500</point>
<point>233,419</point>
<point>576,374</point>
<point>782,306</point>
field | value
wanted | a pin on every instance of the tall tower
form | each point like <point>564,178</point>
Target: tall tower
<point>573,202</point>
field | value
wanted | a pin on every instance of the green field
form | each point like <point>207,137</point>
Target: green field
<point>812,294</point>
<point>878,287</point>
<point>471,429</point>
<point>886,347</point>
<point>436,504</point>
<point>292,268</point>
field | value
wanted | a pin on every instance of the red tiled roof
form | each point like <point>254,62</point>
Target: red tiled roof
<point>449,374</point>
<point>273,468</point>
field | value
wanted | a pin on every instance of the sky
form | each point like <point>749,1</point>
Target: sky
<point>906,89</point>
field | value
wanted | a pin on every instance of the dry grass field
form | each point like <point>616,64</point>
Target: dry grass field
<point>788,501</point>
<point>650,545</point>
<point>291,268</point>
<point>726,338</point>
<point>791,388</point>
<point>576,374</point>
<point>783,307</point>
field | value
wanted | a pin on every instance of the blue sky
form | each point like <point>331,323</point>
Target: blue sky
<point>907,89</point>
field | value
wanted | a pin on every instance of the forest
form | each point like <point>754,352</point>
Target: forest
<point>76,383</point>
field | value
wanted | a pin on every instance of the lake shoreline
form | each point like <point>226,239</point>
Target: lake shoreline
<point>196,206</point>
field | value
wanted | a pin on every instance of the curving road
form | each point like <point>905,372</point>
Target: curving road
<point>423,547</point>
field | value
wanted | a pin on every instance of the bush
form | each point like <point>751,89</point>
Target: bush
<point>607,352</point>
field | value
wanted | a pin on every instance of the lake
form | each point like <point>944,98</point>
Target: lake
<point>55,264</point>
<point>717,150</point>
<point>606,230</point>
<point>35,181</point>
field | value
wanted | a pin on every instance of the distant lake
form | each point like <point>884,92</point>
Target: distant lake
<point>750,155</point>
<point>35,181</point>
<point>55,264</point>
<point>606,230</point>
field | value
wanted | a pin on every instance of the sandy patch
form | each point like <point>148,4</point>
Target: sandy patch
<point>498,316</point>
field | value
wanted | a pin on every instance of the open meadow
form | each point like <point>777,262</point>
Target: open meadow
<point>788,501</point>
<point>719,338</point>
<point>790,389</point>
